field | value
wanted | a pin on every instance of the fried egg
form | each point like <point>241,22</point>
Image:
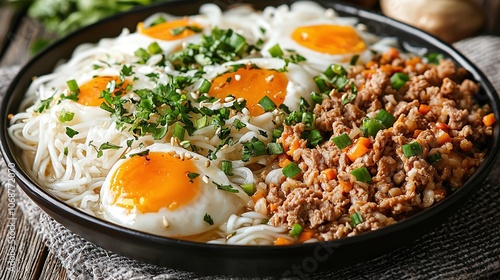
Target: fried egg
<point>252,79</point>
<point>169,192</point>
<point>317,34</point>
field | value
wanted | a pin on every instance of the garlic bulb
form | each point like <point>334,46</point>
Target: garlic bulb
<point>450,20</point>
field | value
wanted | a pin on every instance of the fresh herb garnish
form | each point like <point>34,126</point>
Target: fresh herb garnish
<point>71,132</point>
<point>227,188</point>
<point>208,219</point>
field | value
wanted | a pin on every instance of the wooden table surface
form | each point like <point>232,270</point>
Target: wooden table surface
<point>33,259</point>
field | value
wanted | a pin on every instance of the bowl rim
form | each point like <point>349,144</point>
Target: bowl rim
<point>45,199</point>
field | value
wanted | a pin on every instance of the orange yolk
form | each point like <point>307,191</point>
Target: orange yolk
<point>90,91</point>
<point>167,30</point>
<point>330,39</point>
<point>252,84</point>
<point>149,183</point>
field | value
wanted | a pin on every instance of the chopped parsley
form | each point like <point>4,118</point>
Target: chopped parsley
<point>71,132</point>
<point>192,176</point>
<point>227,188</point>
<point>208,219</point>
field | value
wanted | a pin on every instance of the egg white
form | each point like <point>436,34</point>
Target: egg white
<point>185,220</point>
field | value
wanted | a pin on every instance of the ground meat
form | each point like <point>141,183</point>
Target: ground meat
<point>434,109</point>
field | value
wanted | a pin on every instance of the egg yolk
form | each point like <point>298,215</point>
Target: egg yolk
<point>90,92</point>
<point>170,30</point>
<point>252,84</point>
<point>149,183</point>
<point>330,39</point>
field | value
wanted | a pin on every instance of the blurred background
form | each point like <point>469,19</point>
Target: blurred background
<point>27,26</point>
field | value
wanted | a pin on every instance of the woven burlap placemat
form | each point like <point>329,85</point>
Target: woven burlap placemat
<point>465,246</point>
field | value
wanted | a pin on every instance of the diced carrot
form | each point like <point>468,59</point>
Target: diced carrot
<point>364,141</point>
<point>346,186</point>
<point>416,133</point>
<point>443,138</point>
<point>305,235</point>
<point>283,160</point>
<point>424,109</point>
<point>369,73</point>
<point>295,145</point>
<point>387,68</point>
<point>442,126</point>
<point>489,119</point>
<point>413,61</point>
<point>358,149</point>
<point>370,64</point>
<point>280,241</point>
<point>258,195</point>
<point>273,207</point>
<point>330,173</point>
<point>390,55</point>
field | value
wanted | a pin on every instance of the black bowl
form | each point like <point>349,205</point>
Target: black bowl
<point>239,260</point>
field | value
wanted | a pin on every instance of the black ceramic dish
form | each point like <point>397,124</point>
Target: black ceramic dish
<point>239,260</point>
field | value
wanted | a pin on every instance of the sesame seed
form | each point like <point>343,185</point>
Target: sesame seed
<point>188,156</point>
<point>172,141</point>
<point>269,78</point>
<point>207,163</point>
<point>224,147</point>
<point>166,224</point>
<point>241,99</point>
<point>228,99</point>
<point>206,179</point>
<point>237,77</point>
<point>179,91</point>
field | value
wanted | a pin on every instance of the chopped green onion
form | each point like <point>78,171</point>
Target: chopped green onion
<point>239,124</point>
<point>371,126</point>
<point>412,149</point>
<point>342,141</point>
<point>267,104</point>
<point>201,122</point>
<point>158,20</point>
<point>386,118</point>
<point>142,54</point>
<point>179,132</point>
<point>314,138</point>
<point>227,167</point>
<point>204,86</point>
<point>356,219</point>
<point>154,48</point>
<point>238,42</point>
<point>277,133</point>
<point>73,86</point>
<point>66,116</point>
<point>362,174</point>
<point>291,170</point>
<point>65,151</point>
<point>296,230</point>
<point>259,148</point>
<point>71,132</point>
<point>159,132</point>
<point>339,70</point>
<point>316,97</point>
<point>276,51</point>
<point>434,158</point>
<point>434,58</point>
<point>309,119</point>
<point>340,82</point>
<point>323,87</point>
<point>208,219</point>
<point>348,97</point>
<point>248,188</point>
<point>275,148</point>
<point>398,80</point>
